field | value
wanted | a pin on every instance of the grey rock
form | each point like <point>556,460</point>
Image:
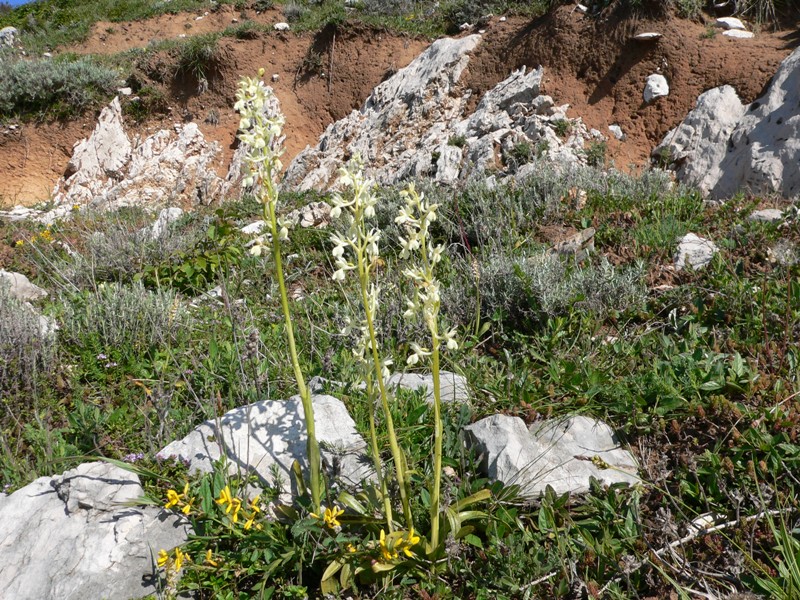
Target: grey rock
<point>736,33</point>
<point>694,251</point>
<point>315,214</point>
<point>71,537</point>
<point>419,109</point>
<point>563,454</point>
<point>647,36</point>
<point>254,228</point>
<point>20,287</point>
<point>8,36</point>
<point>616,131</point>
<point>109,171</point>
<point>271,435</point>
<point>281,27</point>
<point>699,144</point>
<point>655,86</point>
<point>768,215</point>
<point>578,246</point>
<point>166,217</point>
<point>754,148</point>
<point>730,23</point>
<point>453,388</point>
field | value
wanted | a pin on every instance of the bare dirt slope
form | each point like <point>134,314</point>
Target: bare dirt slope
<point>591,63</point>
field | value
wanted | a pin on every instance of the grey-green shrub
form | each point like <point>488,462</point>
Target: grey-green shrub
<point>544,285</point>
<point>27,346</point>
<point>60,86</point>
<point>127,319</point>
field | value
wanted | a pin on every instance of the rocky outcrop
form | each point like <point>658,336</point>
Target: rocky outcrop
<point>80,535</point>
<point>269,435</point>
<point>415,124</point>
<point>109,170</point>
<point>724,146</point>
<point>561,453</point>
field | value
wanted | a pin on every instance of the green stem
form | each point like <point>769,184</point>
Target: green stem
<point>397,454</point>
<point>437,445</point>
<point>376,455</point>
<point>305,394</point>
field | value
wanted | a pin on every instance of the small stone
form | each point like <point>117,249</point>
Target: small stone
<point>198,18</point>
<point>768,215</point>
<point>481,31</point>
<point>694,251</point>
<point>730,23</point>
<point>617,132</point>
<point>47,55</point>
<point>503,19</point>
<point>464,27</point>
<point>125,91</point>
<point>254,228</point>
<point>647,36</point>
<point>275,77</point>
<point>738,33</point>
<point>234,20</point>
<point>281,26</point>
<point>582,8</point>
<point>656,86</point>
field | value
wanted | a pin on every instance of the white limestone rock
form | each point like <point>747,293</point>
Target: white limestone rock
<point>315,214</point>
<point>730,23</point>
<point>271,434</point>
<point>699,144</point>
<point>108,171</point>
<point>736,33</point>
<point>767,215</point>
<point>165,218</point>
<point>562,453</point>
<point>453,388</point>
<point>20,287</point>
<point>694,251</point>
<point>656,86</point>
<point>755,148</point>
<point>281,27</point>
<point>8,36</point>
<point>405,126</point>
<point>71,537</point>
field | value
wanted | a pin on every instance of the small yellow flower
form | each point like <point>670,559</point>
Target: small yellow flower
<point>225,497</point>
<point>330,517</point>
<point>409,541</point>
<point>351,548</point>
<point>209,560</point>
<point>387,548</point>
<point>179,558</point>
<point>163,557</point>
<point>20,243</point>
<point>236,506</point>
<point>46,235</point>
<point>173,499</point>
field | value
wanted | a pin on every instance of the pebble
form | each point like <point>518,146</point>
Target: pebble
<point>281,26</point>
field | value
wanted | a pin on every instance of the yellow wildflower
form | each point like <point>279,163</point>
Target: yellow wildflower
<point>173,499</point>
<point>20,243</point>
<point>209,560</point>
<point>225,497</point>
<point>236,506</point>
<point>46,235</point>
<point>179,558</point>
<point>330,517</point>
<point>409,541</point>
<point>387,548</point>
<point>163,557</point>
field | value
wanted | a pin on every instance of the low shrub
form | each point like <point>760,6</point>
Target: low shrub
<point>59,87</point>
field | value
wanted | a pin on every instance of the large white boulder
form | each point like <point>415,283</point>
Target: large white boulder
<point>709,126</point>
<point>723,146</point>
<point>8,36</point>
<point>416,124</point>
<point>561,453</point>
<point>80,535</point>
<point>271,434</point>
<point>20,287</point>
